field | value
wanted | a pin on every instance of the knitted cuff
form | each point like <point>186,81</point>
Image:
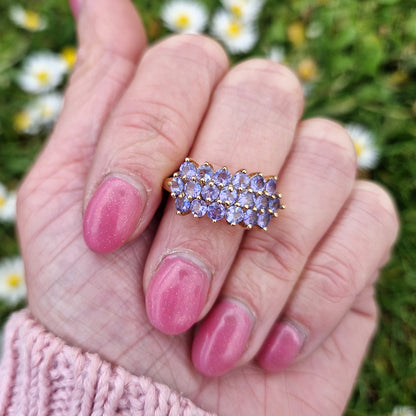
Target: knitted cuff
<point>41,375</point>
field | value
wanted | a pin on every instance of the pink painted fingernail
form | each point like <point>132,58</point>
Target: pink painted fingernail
<point>75,7</point>
<point>111,215</point>
<point>176,295</point>
<point>282,346</point>
<point>222,338</point>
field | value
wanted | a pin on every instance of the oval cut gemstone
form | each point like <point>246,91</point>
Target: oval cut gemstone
<point>275,204</point>
<point>222,177</point>
<point>271,186</point>
<point>182,205</point>
<point>210,192</point>
<point>246,199</point>
<point>192,189</point>
<point>240,180</point>
<point>262,202</point>
<point>257,183</point>
<point>199,207</point>
<point>187,169</point>
<point>176,185</point>
<point>205,173</point>
<point>263,220</point>
<point>250,217</point>
<point>228,196</point>
<point>234,215</point>
<point>215,211</point>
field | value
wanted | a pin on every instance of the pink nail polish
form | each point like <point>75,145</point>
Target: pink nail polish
<point>111,215</point>
<point>222,338</point>
<point>281,346</point>
<point>75,7</point>
<point>176,295</point>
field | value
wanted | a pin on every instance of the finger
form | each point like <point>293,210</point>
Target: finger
<point>316,180</point>
<point>250,124</point>
<point>149,132</point>
<point>342,266</point>
<point>111,39</point>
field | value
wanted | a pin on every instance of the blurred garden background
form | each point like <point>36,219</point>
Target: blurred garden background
<point>357,63</point>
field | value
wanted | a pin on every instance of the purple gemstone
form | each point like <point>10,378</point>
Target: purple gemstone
<point>198,207</point>
<point>182,205</point>
<point>271,186</point>
<point>234,215</point>
<point>210,192</point>
<point>222,177</point>
<point>176,186</point>
<point>262,202</point>
<point>241,180</point>
<point>216,211</point>
<point>187,169</point>
<point>263,220</point>
<point>192,189</point>
<point>205,173</point>
<point>275,204</point>
<point>257,183</point>
<point>246,199</point>
<point>250,217</point>
<point>228,196</point>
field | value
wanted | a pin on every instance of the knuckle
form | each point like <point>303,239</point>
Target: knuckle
<point>333,277</point>
<point>330,141</point>
<point>277,86</point>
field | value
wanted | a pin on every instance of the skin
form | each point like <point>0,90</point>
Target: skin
<point>316,265</point>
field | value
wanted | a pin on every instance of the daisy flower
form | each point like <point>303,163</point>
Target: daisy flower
<point>364,143</point>
<point>307,69</point>
<point>27,121</point>
<point>184,16</point>
<point>69,56</point>
<point>403,411</point>
<point>238,36</point>
<point>41,72</point>
<point>7,204</point>
<point>246,10</point>
<point>296,33</point>
<point>12,280</point>
<point>277,54</point>
<point>48,107</point>
<point>27,19</point>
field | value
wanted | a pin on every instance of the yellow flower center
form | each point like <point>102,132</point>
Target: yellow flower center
<point>307,70</point>
<point>182,21</point>
<point>46,111</point>
<point>69,54</point>
<point>43,77</point>
<point>296,33</point>
<point>14,280</point>
<point>2,201</point>
<point>358,148</point>
<point>234,29</point>
<point>31,20</point>
<point>236,10</point>
<point>21,121</point>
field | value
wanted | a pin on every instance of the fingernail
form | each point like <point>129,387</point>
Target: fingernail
<point>75,7</point>
<point>222,338</point>
<point>282,346</point>
<point>111,215</point>
<point>176,295</point>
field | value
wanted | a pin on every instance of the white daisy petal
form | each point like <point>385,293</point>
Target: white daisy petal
<point>277,54</point>
<point>184,16</point>
<point>246,10</point>
<point>365,147</point>
<point>48,107</point>
<point>28,120</point>
<point>42,72</point>
<point>403,411</point>
<point>238,36</point>
<point>12,280</point>
<point>27,19</point>
<point>7,206</point>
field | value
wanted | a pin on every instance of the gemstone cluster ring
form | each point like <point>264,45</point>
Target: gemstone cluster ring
<point>249,200</point>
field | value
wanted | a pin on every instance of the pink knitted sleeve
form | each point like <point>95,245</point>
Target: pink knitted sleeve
<point>41,375</point>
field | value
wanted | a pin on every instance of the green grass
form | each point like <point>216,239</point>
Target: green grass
<point>366,71</point>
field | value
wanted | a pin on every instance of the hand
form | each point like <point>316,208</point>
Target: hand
<point>296,300</point>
